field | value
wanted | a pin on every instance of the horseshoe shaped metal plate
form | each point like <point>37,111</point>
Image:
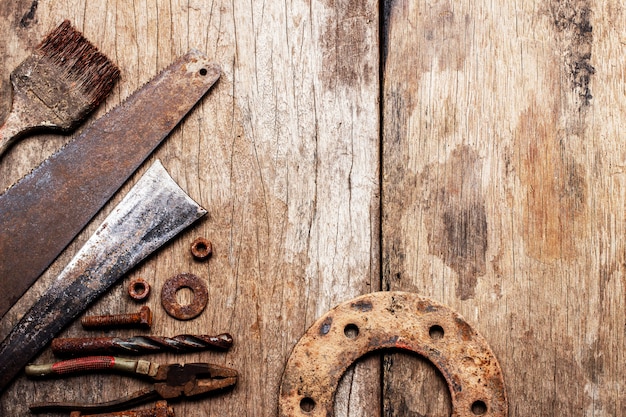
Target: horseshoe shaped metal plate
<point>396,320</point>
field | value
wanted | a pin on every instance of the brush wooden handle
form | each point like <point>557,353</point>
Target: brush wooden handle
<point>14,127</point>
<point>56,87</point>
<point>35,108</point>
<point>30,114</point>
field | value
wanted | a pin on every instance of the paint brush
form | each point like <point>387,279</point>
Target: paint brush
<point>56,87</point>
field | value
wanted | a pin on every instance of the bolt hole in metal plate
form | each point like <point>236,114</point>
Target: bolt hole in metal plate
<point>392,320</point>
<point>199,299</point>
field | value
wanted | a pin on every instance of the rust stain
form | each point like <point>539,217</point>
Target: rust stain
<point>572,21</point>
<point>567,369</point>
<point>457,219</point>
<point>555,205</point>
<point>345,44</point>
<point>444,37</point>
<point>593,361</point>
<point>556,190</point>
<point>439,31</point>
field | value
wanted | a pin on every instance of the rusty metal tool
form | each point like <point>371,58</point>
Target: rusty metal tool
<point>55,88</point>
<point>73,346</point>
<point>170,303</point>
<point>391,320</point>
<point>141,319</point>
<point>161,409</point>
<point>47,208</point>
<point>155,210</point>
<point>201,249</point>
<point>171,381</point>
<point>138,289</point>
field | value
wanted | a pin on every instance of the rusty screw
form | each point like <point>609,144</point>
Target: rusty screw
<point>201,248</point>
<point>161,409</point>
<point>142,318</point>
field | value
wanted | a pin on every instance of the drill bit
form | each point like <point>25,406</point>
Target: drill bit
<point>139,344</point>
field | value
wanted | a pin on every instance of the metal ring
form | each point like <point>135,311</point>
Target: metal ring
<point>138,289</point>
<point>171,304</point>
<point>201,248</point>
<point>392,320</point>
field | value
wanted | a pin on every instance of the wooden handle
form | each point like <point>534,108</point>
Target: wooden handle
<point>9,132</point>
<point>18,123</point>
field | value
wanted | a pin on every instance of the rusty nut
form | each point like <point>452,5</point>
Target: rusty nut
<point>138,289</point>
<point>201,248</point>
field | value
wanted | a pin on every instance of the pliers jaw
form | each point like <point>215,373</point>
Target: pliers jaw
<point>193,379</point>
<point>171,381</point>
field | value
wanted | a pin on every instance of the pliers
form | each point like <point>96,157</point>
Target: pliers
<point>171,381</point>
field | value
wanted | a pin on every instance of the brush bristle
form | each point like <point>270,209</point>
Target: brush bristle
<point>80,62</point>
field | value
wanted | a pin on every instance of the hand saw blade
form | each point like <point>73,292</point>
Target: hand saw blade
<point>45,210</point>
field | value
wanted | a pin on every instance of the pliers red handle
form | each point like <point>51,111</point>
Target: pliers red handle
<point>171,381</point>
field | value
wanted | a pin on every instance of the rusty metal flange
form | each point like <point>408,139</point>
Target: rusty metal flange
<point>392,320</point>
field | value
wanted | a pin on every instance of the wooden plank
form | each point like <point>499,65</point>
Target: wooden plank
<point>503,193</point>
<point>283,153</point>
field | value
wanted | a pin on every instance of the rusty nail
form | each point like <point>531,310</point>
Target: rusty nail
<point>142,318</point>
<point>138,289</point>
<point>201,248</point>
<point>161,409</point>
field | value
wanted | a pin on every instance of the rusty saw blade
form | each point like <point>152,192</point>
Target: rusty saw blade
<point>45,210</point>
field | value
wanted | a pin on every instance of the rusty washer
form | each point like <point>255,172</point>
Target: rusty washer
<point>171,304</point>
<point>138,289</point>
<point>201,248</point>
<point>392,320</point>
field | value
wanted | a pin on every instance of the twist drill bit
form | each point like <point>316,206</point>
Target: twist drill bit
<point>139,344</point>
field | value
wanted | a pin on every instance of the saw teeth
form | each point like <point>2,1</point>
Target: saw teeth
<point>159,75</point>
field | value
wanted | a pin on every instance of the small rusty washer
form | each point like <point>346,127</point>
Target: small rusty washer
<point>392,320</point>
<point>201,248</point>
<point>171,304</point>
<point>138,289</point>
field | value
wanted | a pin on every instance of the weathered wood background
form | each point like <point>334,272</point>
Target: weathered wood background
<point>468,151</point>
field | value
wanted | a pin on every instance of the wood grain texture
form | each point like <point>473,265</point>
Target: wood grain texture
<point>503,193</point>
<point>283,153</point>
<point>503,186</point>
